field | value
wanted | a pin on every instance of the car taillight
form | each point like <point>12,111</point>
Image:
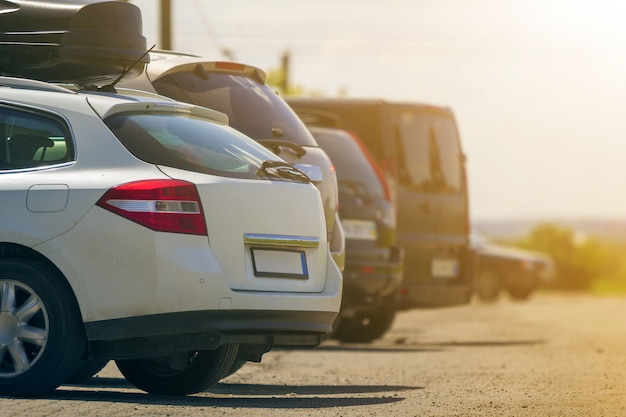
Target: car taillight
<point>161,205</point>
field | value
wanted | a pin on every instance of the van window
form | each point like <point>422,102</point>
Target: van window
<point>431,154</point>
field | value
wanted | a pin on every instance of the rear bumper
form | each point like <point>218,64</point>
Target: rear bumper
<point>162,335</point>
<point>370,284</point>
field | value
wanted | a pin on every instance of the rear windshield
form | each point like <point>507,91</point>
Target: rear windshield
<point>252,108</point>
<point>189,143</point>
<point>432,153</point>
<point>354,172</point>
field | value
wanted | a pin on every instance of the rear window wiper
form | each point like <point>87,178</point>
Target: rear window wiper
<point>282,170</point>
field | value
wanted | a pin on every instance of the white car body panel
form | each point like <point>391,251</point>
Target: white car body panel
<point>119,269</point>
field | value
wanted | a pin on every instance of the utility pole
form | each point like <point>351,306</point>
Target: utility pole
<point>284,82</point>
<point>166,25</point>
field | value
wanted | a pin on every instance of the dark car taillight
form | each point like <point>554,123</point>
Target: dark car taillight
<point>161,205</point>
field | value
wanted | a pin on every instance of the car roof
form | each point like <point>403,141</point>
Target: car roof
<point>104,103</point>
<point>348,102</point>
<point>165,63</point>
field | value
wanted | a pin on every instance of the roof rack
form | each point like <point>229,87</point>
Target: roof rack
<point>80,42</point>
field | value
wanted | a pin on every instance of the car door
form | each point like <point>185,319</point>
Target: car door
<point>33,195</point>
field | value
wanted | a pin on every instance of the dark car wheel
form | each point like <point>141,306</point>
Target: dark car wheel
<point>41,333</point>
<point>487,286</point>
<point>237,365</point>
<point>192,373</point>
<point>86,369</point>
<point>520,293</point>
<point>365,327</point>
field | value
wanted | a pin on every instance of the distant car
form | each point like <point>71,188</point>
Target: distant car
<point>241,92</point>
<point>373,271</point>
<point>500,267</point>
<point>148,231</point>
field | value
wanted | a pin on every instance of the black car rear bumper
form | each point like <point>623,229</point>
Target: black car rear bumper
<point>370,284</point>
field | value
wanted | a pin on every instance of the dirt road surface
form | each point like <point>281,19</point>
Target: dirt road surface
<point>555,355</point>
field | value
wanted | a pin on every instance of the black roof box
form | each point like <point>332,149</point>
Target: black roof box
<point>79,42</point>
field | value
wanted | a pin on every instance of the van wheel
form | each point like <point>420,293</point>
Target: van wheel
<point>188,373</point>
<point>86,369</point>
<point>365,327</point>
<point>41,333</point>
<point>487,286</point>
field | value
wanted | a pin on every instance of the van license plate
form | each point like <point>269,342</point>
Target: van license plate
<point>444,268</point>
<point>359,229</point>
<point>279,263</point>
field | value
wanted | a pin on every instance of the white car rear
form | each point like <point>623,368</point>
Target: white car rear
<point>173,242</point>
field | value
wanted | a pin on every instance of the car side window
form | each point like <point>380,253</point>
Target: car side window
<point>29,140</point>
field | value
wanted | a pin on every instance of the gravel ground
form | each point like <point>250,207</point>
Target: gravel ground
<point>555,355</point>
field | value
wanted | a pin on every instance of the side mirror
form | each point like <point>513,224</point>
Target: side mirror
<point>312,171</point>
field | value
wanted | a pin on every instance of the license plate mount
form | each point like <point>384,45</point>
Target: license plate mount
<point>279,263</point>
<point>444,268</point>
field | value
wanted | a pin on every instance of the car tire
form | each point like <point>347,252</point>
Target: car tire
<point>87,369</point>
<point>487,286</point>
<point>202,371</point>
<point>41,331</point>
<point>520,294</point>
<point>237,365</point>
<point>365,327</point>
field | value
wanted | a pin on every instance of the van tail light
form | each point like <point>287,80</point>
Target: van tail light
<point>162,205</point>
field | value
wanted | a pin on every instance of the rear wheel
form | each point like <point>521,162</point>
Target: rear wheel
<point>520,293</point>
<point>487,286</point>
<point>86,369</point>
<point>237,365</point>
<point>365,327</point>
<point>41,334</point>
<point>182,374</point>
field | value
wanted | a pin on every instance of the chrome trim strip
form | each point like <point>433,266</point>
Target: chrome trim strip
<point>262,239</point>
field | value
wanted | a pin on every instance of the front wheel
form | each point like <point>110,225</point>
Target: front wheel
<point>184,374</point>
<point>41,334</point>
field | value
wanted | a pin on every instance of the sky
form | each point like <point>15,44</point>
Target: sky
<point>538,87</point>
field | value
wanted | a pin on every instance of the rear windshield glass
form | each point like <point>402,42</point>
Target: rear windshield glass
<point>252,108</point>
<point>432,152</point>
<point>189,143</point>
<point>354,172</point>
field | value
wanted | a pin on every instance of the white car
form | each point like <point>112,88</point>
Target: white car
<point>254,108</point>
<point>144,230</point>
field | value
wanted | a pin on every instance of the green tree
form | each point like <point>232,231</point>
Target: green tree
<point>579,259</point>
